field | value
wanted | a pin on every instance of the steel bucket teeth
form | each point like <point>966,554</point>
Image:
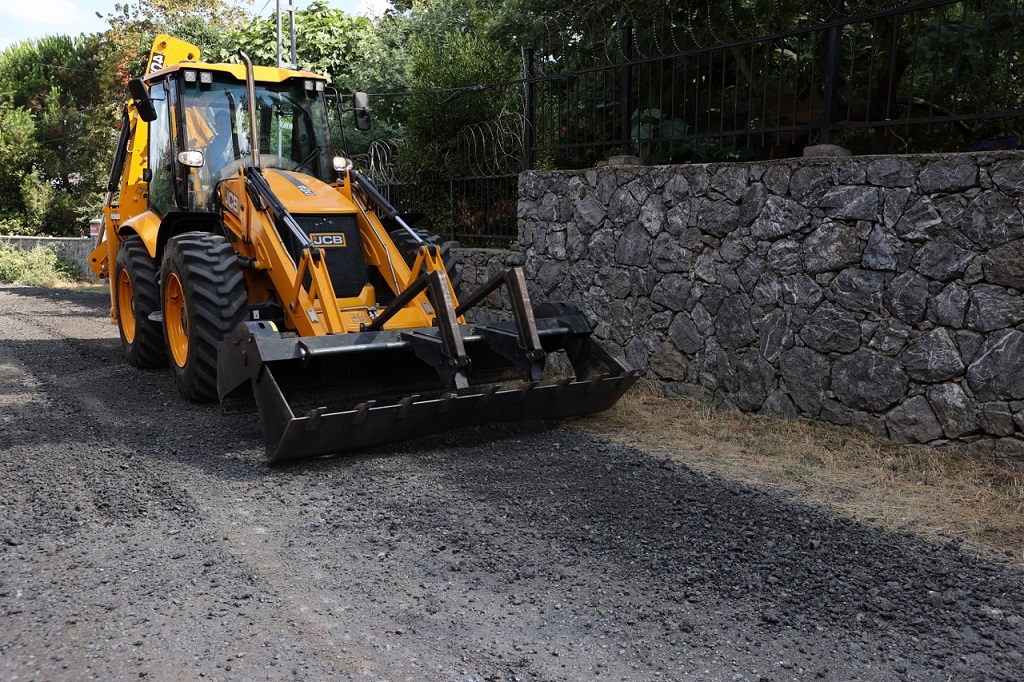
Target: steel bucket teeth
<point>368,425</point>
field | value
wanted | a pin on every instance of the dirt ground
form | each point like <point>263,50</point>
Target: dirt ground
<point>145,537</point>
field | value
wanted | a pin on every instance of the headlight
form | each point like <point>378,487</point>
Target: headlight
<point>342,163</point>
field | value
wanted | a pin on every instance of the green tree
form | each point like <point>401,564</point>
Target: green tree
<point>327,41</point>
<point>457,123</point>
<point>17,151</point>
<point>54,80</point>
<point>952,59</point>
<point>133,26</point>
<point>453,58</point>
<point>940,60</point>
<point>355,53</point>
<point>203,23</point>
<point>451,74</point>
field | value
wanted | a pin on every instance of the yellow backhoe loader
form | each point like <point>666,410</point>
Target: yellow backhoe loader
<point>254,260</point>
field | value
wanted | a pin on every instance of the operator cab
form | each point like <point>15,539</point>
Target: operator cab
<point>291,126</point>
<point>200,135</point>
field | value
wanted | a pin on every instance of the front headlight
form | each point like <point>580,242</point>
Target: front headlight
<point>342,163</point>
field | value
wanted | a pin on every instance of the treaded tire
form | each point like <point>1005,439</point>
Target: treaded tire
<point>204,299</point>
<point>135,278</point>
<point>409,247</point>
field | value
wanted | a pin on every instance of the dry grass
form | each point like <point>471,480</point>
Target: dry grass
<point>937,495</point>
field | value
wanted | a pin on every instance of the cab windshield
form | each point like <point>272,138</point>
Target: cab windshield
<point>292,131</point>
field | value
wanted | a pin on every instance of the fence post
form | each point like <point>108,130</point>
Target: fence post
<point>828,105</point>
<point>626,82</point>
<point>528,133</point>
<point>454,211</point>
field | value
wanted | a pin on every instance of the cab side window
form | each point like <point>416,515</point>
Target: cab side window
<point>161,153</point>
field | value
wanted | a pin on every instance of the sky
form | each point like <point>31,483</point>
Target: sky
<point>22,19</point>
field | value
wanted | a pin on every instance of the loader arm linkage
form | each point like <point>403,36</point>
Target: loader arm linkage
<point>297,299</point>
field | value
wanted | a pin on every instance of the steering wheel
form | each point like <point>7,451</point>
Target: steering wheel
<point>230,169</point>
<point>312,155</point>
<point>266,161</point>
<point>279,162</point>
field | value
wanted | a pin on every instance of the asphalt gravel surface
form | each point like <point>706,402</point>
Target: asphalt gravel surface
<point>145,537</point>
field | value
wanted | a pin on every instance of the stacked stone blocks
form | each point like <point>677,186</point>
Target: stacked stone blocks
<point>878,292</point>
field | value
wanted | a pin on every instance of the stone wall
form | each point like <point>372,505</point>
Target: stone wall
<point>76,249</point>
<point>878,292</point>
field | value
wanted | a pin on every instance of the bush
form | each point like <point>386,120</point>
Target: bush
<point>55,212</point>
<point>40,267</point>
<point>18,225</point>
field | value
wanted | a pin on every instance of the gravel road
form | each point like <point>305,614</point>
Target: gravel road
<point>144,537</point>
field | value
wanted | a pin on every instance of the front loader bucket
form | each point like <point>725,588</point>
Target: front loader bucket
<point>329,394</point>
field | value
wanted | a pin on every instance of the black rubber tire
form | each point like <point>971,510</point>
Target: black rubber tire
<point>207,301</point>
<point>409,247</point>
<point>141,338</point>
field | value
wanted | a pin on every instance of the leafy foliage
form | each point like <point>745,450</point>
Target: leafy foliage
<point>434,120</point>
<point>349,50</point>
<point>49,91</point>
<point>17,151</point>
<point>133,26</point>
<point>454,61</point>
<point>353,52</point>
<point>935,61</point>
<point>38,267</point>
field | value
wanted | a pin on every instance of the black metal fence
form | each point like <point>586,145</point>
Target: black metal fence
<point>477,206</point>
<point>933,76</point>
<point>930,77</point>
<point>477,212</point>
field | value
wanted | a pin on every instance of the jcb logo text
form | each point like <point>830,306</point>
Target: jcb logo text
<point>328,239</point>
<point>231,201</point>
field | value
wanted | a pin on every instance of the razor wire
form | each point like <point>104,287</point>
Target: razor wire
<point>494,148</point>
<point>380,162</point>
<point>481,150</point>
<point>568,37</point>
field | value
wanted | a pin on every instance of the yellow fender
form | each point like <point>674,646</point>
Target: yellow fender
<point>147,226</point>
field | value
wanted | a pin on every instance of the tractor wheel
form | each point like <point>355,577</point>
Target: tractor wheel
<point>137,294</point>
<point>409,247</point>
<point>204,299</point>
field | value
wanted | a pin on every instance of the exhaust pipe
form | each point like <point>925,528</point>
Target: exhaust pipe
<point>250,91</point>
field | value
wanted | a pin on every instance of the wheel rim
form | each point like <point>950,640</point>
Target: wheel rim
<point>176,319</point>
<point>125,306</point>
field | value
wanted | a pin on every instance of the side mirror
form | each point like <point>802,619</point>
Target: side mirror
<point>143,102</point>
<point>361,105</point>
<point>191,159</point>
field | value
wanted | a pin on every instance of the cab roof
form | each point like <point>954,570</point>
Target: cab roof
<point>261,74</point>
